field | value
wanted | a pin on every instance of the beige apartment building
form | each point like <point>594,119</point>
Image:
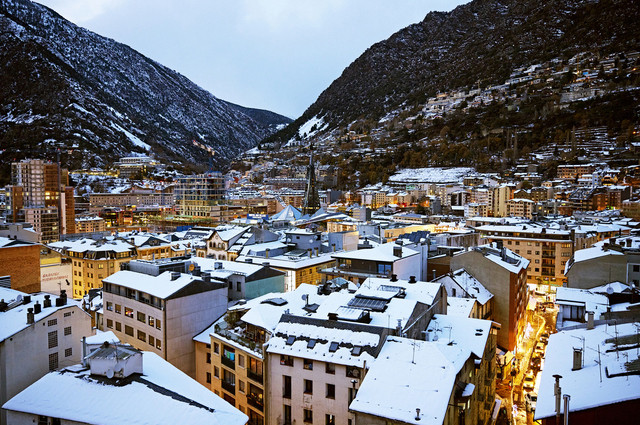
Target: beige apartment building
<point>93,261</point>
<point>504,274</point>
<point>155,308</point>
<point>519,207</point>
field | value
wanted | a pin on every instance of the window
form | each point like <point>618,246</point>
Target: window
<point>142,336</point>
<point>67,314</point>
<point>240,360</point>
<point>158,344</point>
<point>287,414</point>
<point>53,339</point>
<point>308,386</point>
<point>151,321</point>
<point>384,268</point>
<point>308,416</point>
<point>128,312</point>
<point>128,330</point>
<point>636,268</point>
<point>67,331</point>
<point>241,386</point>
<point>238,286</point>
<point>109,323</point>
<point>68,352</point>
<point>109,306</point>
<point>537,261</point>
<point>119,326</point>
<point>52,322</point>
<point>53,361</point>
<point>286,360</point>
<point>158,324</point>
<point>308,364</point>
<point>216,372</point>
<point>209,358</point>
<point>330,419</point>
<point>353,372</point>
<point>118,308</point>
<point>208,377</point>
<point>331,391</point>
<point>152,341</point>
<point>216,348</point>
<point>286,386</point>
<point>141,317</point>
<point>330,368</point>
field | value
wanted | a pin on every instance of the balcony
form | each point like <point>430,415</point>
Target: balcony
<point>229,387</point>
<point>231,364</point>
<point>254,376</point>
<point>255,400</point>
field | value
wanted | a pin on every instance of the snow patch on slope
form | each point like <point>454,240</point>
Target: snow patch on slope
<point>133,138</point>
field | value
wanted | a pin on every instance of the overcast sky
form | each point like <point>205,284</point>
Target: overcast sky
<point>271,54</point>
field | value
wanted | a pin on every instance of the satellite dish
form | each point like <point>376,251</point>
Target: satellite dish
<point>305,297</point>
<point>19,298</point>
<point>310,240</point>
<point>109,373</point>
<point>191,267</point>
<point>609,290</point>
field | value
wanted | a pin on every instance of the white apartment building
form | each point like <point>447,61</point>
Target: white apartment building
<point>38,333</point>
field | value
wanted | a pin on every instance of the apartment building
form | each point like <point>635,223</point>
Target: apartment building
<point>156,308</point>
<point>518,207</point>
<point>38,333</point>
<point>504,274</point>
<point>90,224</point>
<point>229,354</point>
<point>200,195</point>
<point>92,261</point>
<point>140,197</point>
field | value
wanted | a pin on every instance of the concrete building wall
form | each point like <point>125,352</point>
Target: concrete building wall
<point>22,263</point>
<point>19,418</point>
<point>597,271</point>
<point>186,317</point>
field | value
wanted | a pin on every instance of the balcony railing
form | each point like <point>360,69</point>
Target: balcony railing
<point>228,362</point>
<point>254,376</point>
<point>229,387</point>
<point>255,401</point>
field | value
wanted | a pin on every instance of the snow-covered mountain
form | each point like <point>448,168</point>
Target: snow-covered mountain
<point>61,84</point>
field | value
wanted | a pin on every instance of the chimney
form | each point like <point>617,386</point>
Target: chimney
<point>30,316</point>
<point>577,359</point>
<point>206,277</point>
<point>317,251</point>
<point>333,247</point>
<point>397,251</point>
<point>84,351</point>
<point>175,275</point>
<point>590,324</point>
<point>412,279</point>
<point>417,413</point>
<point>3,305</point>
<point>26,299</point>
<point>310,252</point>
<point>394,278</point>
<point>196,270</point>
<point>37,308</point>
<point>399,328</point>
<point>434,274</point>
<point>47,301</point>
<point>557,391</point>
<point>266,252</point>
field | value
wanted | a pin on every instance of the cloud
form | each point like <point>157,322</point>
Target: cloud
<point>82,11</point>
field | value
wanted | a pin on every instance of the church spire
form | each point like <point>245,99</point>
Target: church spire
<point>311,198</point>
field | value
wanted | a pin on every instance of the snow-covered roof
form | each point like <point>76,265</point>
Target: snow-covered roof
<point>290,213</point>
<point>620,379</point>
<point>261,247</point>
<point>460,306</point>
<point>592,301</point>
<point>229,234</point>
<point>102,337</point>
<point>290,262</point>
<point>383,252</point>
<point>8,242</point>
<point>14,319</point>
<point>160,286</point>
<point>209,265</point>
<point>591,253</point>
<point>410,374</point>
<point>162,395</point>
<point>323,337</point>
<point>468,283</point>
<point>84,245</point>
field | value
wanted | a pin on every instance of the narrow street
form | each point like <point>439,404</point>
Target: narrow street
<point>510,388</point>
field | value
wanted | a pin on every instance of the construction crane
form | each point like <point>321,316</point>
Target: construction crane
<point>210,151</point>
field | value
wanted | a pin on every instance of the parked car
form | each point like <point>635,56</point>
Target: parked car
<point>530,401</point>
<point>534,363</point>
<point>529,381</point>
<point>539,348</point>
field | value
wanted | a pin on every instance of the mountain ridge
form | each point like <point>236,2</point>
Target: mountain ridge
<point>64,85</point>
